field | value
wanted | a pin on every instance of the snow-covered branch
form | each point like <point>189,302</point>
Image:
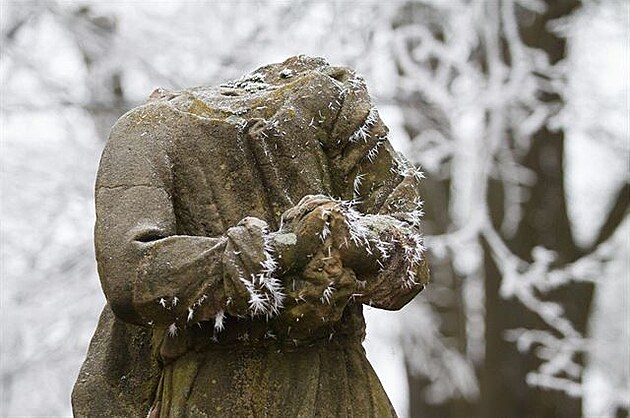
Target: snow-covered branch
<point>508,94</point>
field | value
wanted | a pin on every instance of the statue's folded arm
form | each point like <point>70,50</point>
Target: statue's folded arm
<point>387,209</point>
<point>149,273</point>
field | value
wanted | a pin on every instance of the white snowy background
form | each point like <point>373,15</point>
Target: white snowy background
<point>69,69</point>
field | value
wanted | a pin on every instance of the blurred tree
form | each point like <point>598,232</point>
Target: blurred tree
<point>481,90</point>
<point>492,76</point>
<point>544,223</point>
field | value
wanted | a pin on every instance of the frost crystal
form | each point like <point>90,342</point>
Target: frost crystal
<point>357,230</point>
<point>373,152</point>
<point>384,248</point>
<point>258,303</point>
<point>363,131</point>
<point>172,330</point>
<point>219,320</point>
<point>388,236</point>
<point>197,304</point>
<point>356,82</point>
<point>191,312</point>
<point>267,278</point>
<point>404,168</point>
<point>414,251</point>
<point>327,294</point>
<point>265,290</point>
<point>325,232</point>
<point>163,301</point>
<point>356,185</point>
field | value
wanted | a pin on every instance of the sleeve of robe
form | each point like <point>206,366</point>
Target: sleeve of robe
<point>150,274</point>
<point>387,212</point>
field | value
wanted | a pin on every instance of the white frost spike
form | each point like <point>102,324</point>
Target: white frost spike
<point>404,168</point>
<point>399,236</point>
<point>199,301</point>
<point>327,294</point>
<point>219,320</point>
<point>257,303</point>
<point>356,185</point>
<point>172,330</point>
<point>162,302</point>
<point>273,125</point>
<point>325,232</point>
<point>269,265</point>
<point>358,231</point>
<point>356,82</point>
<point>267,279</point>
<point>363,131</point>
<point>373,152</point>
<point>174,301</point>
<point>415,249</point>
<point>410,279</point>
<point>191,309</point>
<point>415,217</point>
<point>265,290</point>
<point>414,252</point>
<point>384,248</point>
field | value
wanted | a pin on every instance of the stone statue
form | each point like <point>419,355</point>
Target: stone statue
<point>239,231</point>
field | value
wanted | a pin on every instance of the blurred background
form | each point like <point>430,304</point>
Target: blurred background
<point>516,110</point>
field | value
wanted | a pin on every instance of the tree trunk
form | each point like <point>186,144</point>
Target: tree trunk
<point>545,223</point>
<point>504,390</point>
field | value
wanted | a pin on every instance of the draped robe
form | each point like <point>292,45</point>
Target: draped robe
<point>240,229</point>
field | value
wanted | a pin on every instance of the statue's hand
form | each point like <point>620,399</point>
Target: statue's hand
<point>317,297</point>
<point>302,234</point>
<point>320,224</point>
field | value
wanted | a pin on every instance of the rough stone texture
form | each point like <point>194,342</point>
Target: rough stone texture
<point>239,230</point>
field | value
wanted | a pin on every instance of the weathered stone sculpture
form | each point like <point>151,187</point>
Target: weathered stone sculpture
<point>239,231</point>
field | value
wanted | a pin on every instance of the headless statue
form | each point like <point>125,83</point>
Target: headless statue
<point>240,229</point>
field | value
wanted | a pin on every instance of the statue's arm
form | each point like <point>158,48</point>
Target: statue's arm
<point>149,272</point>
<point>396,244</point>
<point>391,265</point>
